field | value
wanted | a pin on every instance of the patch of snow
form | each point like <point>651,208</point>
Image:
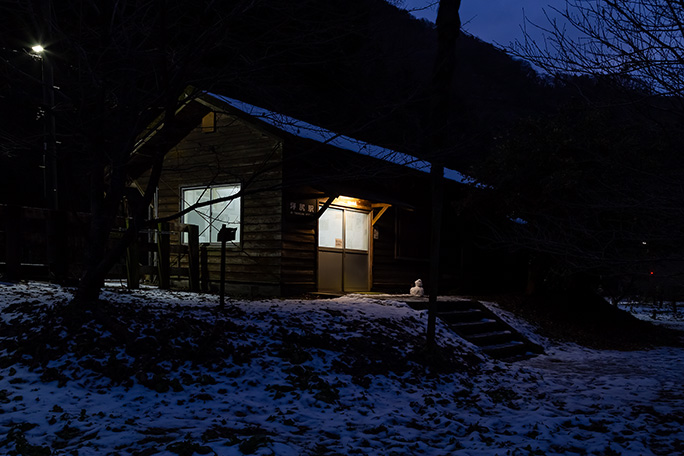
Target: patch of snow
<point>668,314</point>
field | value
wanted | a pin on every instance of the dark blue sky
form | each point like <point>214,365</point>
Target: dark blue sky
<point>494,21</point>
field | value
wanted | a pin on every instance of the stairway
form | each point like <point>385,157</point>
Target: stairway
<point>474,322</point>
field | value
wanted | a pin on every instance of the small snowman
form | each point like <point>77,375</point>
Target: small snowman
<point>418,289</point>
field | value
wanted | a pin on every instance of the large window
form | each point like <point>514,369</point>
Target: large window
<point>343,228</point>
<point>211,217</point>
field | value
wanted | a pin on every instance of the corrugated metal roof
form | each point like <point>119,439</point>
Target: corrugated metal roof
<point>306,130</point>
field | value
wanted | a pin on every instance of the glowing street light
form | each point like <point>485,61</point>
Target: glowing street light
<point>38,49</point>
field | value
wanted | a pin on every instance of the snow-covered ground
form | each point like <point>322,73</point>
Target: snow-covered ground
<point>332,377</point>
<point>665,314</point>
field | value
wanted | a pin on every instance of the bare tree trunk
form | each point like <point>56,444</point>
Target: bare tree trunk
<point>100,225</point>
<point>448,30</point>
<point>99,260</point>
<point>104,209</point>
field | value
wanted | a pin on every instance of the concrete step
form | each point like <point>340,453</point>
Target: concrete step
<point>490,338</point>
<point>477,324</point>
<point>505,350</point>
<point>446,306</point>
<point>474,322</point>
<point>483,325</point>
<point>461,315</point>
<point>442,306</point>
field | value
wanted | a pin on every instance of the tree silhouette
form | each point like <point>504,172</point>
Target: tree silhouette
<point>595,186</point>
<point>591,196</point>
<point>119,66</point>
<point>638,44</point>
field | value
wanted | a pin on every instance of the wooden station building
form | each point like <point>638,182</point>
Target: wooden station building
<point>313,211</point>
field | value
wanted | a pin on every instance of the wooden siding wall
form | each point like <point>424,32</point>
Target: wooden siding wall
<point>235,152</point>
<point>391,274</point>
<point>299,256</point>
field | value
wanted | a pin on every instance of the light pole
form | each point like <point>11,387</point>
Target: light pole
<point>50,172</point>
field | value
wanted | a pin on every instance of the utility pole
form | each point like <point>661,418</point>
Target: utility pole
<point>50,170</point>
<point>448,30</point>
<point>50,162</point>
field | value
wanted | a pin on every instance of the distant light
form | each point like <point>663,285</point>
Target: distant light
<point>652,272</point>
<point>37,48</point>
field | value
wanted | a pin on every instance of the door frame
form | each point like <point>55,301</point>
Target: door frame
<point>344,251</point>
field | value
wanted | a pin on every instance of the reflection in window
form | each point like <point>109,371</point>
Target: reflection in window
<point>343,229</point>
<point>356,231</point>
<point>210,218</point>
<point>330,228</point>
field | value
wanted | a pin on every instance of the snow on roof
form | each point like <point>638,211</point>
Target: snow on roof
<point>306,130</point>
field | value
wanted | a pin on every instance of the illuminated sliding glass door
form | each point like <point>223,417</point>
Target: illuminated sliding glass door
<point>343,250</point>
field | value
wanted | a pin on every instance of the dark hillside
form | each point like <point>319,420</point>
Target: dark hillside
<point>361,68</point>
<point>358,67</point>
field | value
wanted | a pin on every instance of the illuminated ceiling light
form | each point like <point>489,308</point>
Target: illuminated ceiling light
<point>346,201</point>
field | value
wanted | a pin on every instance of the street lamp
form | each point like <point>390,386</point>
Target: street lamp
<point>50,174</point>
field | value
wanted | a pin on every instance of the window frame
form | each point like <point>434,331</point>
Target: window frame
<point>345,227</point>
<point>213,223</point>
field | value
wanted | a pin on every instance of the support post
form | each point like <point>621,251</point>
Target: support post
<point>133,262</point>
<point>448,29</point>
<point>437,175</point>
<point>222,282</point>
<point>204,268</point>
<point>164,256</point>
<point>193,257</point>
<point>224,235</point>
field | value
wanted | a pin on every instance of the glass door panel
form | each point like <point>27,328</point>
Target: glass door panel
<point>331,229</point>
<point>356,231</point>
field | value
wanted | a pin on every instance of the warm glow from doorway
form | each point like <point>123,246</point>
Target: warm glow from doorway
<point>346,201</point>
